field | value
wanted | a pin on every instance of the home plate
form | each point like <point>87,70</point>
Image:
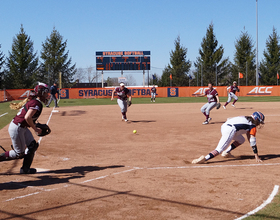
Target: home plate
<point>41,170</point>
<point>55,111</point>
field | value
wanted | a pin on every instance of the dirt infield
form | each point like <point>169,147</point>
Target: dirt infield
<point>92,166</point>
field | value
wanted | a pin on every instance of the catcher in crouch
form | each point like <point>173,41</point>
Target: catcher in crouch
<point>24,145</point>
<point>233,129</point>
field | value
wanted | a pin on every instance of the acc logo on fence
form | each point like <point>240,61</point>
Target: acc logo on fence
<point>201,90</point>
<point>260,91</point>
<point>64,94</point>
<point>172,92</point>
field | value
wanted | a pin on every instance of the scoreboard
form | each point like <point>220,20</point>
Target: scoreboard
<point>123,60</point>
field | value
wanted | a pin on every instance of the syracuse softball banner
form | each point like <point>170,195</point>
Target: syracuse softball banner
<point>144,92</point>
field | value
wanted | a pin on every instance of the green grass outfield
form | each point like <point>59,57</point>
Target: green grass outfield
<point>272,211</point>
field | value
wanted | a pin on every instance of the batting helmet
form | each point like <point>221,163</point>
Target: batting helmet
<point>258,116</point>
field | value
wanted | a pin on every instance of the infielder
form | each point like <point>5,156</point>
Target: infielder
<point>24,145</point>
<point>213,100</point>
<point>153,93</point>
<point>233,129</point>
<point>122,93</point>
<point>231,94</point>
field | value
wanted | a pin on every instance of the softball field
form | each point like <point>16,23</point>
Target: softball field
<point>92,165</point>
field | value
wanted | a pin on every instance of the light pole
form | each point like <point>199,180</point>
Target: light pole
<point>257,65</point>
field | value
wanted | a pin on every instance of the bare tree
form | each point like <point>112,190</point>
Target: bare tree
<point>79,75</point>
<point>130,80</point>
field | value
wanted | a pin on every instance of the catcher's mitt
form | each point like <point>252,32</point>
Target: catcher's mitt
<point>218,105</point>
<point>45,129</point>
<point>129,103</point>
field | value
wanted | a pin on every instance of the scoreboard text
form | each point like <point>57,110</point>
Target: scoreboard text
<point>123,60</point>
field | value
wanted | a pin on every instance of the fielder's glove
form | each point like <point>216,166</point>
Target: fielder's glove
<point>129,103</point>
<point>218,105</point>
<point>45,129</point>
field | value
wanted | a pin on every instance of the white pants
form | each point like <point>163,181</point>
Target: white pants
<point>228,134</point>
<point>208,107</point>
<point>153,95</point>
<point>123,105</point>
<point>231,96</point>
<point>21,137</point>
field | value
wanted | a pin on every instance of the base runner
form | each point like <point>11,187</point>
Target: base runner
<point>231,94</point>
<point>122,93</point>
<point>24,145</point>
<point>213,99</point>
<point>233,129</point>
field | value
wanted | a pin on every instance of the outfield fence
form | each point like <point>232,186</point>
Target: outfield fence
<point>144,92</point>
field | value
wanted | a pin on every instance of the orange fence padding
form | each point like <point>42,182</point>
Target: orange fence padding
<point>80,93</point>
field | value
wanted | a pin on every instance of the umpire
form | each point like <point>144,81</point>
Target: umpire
<point>54,90</point>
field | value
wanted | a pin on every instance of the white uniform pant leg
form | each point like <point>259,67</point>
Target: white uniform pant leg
<point>153,95</point>
<point>20,137</point>
<point>123,105</point>
<point>208,107</point>
<point>228,133</point>
<point>229,98</point>
<point>203,108</point>
<point>234,96</point>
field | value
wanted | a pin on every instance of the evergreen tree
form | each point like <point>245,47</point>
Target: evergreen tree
<point>211,61</point>
<point>179,66</point>
<point>244,58</point>
<point>55,60</point>
<point>165,77</point>
<point>270,65</point>
<point>2,61</point>
<point>22,63</point>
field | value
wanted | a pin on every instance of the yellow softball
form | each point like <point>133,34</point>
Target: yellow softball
<point>134,131</point>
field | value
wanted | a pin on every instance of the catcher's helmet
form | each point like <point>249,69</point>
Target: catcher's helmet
<point>41,89</point>
<point>258,116</point>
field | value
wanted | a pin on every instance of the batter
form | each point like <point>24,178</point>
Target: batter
<point>233,129</point>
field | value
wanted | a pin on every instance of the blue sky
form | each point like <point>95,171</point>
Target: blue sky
<point>128,25</point>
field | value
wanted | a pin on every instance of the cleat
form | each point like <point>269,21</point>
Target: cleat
<point>199,160</point>
<point>209,119</point>
<point>125,120</point>
<point>28,171</point>
<point>154,100</point>
<point>232,105</point>
<point>205,122</point>
<point>224,107</point>
<point>227,155</point>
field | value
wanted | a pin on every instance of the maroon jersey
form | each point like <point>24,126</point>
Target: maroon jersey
<point>211,95</point>
<point>122,94</point>
<point>32,104</point>
<point>153,90</point>
<point>233,89</point>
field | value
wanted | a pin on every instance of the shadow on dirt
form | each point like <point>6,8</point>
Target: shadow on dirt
<point>54,177</point>
<point>248,157</point>
<point>113,193</point>
<point>142,121</point>
<point>73,113</point>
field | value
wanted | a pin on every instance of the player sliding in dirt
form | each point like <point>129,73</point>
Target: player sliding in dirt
<point>233,129</point>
